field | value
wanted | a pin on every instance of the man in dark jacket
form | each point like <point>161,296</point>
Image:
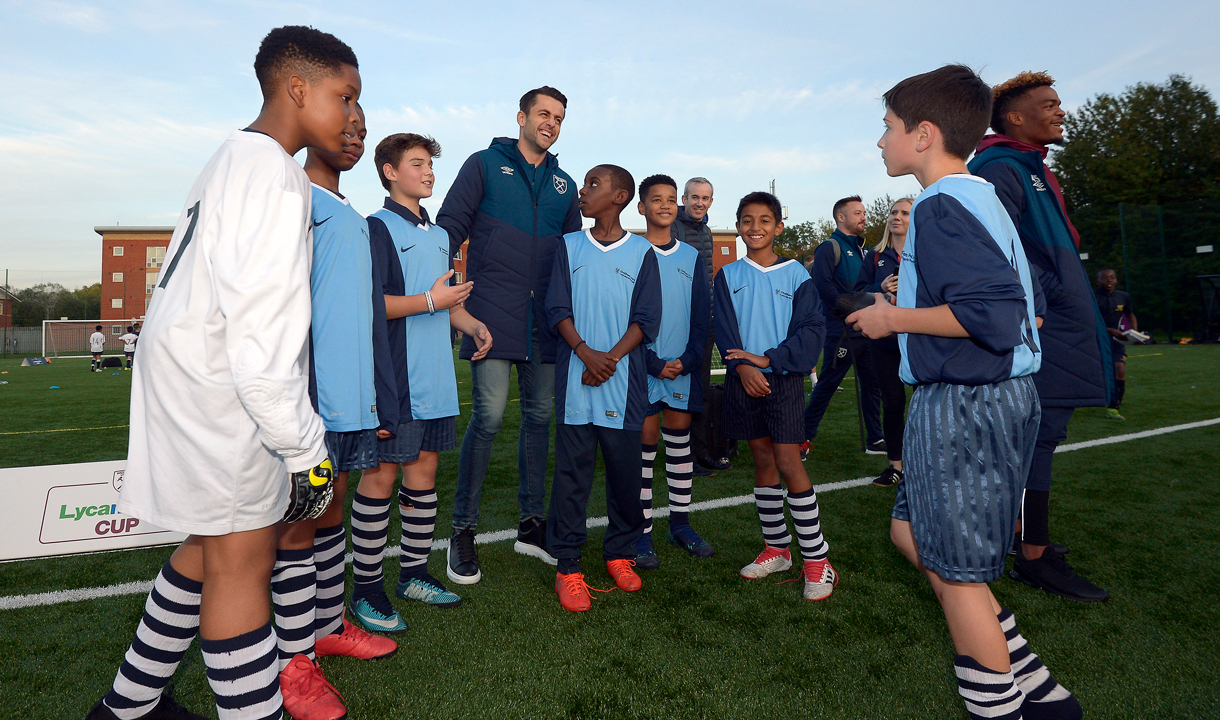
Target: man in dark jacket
<point>835,273</point>
<point>513,203</point>
<point>692,228</point>
<point>1076,367</point>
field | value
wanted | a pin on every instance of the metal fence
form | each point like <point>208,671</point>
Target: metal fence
<point>1165,256</point>
<point>20,341</point>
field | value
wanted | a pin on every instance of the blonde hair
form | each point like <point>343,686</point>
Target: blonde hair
<point>885,236</point>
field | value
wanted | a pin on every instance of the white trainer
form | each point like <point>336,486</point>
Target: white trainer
<point>768,561</point>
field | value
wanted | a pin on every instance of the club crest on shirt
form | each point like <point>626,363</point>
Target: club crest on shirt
<point>842,353</point>
<point>784,294</point>
<point>1038,184</point>
<point>623,272</point>
<point>683,273</point>
<point>561,185</point>
<point>506,170</point>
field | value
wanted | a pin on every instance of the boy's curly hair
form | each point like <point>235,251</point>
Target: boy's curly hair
<point>1008,92</point>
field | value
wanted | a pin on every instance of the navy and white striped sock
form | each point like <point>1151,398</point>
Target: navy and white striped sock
<point>804,509</point>
<point>679,469</point>
<point>294,603</point>
<point>170,623</point>
<point>370,528</point>
<point>244,675</point>
<point>770,503</point>
<point>328,547</point>
<point>648,457</point>
<point>988,694</point>
<point>1034,679</point>
<point>417,509</point>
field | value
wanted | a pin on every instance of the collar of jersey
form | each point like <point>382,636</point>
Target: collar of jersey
<point>612,246</point>
<point>335,195</point>
<point>669,249</point>
<point>778,263</point>
<point>403,212</point>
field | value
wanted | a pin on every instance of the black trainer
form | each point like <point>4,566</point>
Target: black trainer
<point>1051,573</point>
<point>698,470</point>
<point>1016,540</point>
<point>166,709</point>
<point>890,477</point>
<point>531,540</point>
<point>877,447</point>
<point>463,565</point>
<point>720,463</point>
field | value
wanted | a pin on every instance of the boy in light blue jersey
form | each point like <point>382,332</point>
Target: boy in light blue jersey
<point>770,329</point>
<point>605,293</point>
<point>421,307</point>
<point>673,370</point>
<point>967,317</point>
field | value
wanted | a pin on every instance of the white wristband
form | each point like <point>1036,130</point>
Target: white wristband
<point>428,297</point>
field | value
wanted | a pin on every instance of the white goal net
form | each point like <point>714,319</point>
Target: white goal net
<point>70,338</point>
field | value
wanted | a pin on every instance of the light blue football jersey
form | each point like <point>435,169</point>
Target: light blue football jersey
<point>423,254</point>
<point>677,269</point>
<point>341,291</point>
<point>762,298</point>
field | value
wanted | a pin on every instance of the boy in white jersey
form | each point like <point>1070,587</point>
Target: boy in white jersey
<point>222,431</point>
<point>966,319</point>
<point>129,344</point>
<point>414,265</point>
<point>307,583</point>
<point>673,370</point>
<point>97,343</point>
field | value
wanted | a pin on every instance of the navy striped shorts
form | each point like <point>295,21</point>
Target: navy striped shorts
<point>779,416</point>
<point>353,450</point>
<point>417,436</point>
<point>965,461</point>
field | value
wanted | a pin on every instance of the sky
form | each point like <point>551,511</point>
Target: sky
<point>111,110</point>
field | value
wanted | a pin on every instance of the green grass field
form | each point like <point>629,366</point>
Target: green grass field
<point>698,641</point>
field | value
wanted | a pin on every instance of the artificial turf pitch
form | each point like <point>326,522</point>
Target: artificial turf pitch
<point>1140,518</point>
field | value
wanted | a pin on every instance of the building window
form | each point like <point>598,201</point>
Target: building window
<point>458,255</point>
<point>724,250</point>
<point>116,329</point>
<point>1,308</point>
<point>116,302</point>
<point>154,257</point>
<point>150,282</point>
<point>117,251</point>
<point>116,277</point>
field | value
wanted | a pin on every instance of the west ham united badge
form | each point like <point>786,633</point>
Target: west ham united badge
<point>561,185</point>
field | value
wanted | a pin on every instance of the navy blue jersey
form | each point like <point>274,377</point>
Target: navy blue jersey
<point>773,311</point>
<point>421,255</point>
<point>341,295</point>
<point>685,322</point>
<point>1113,306</point>
<point>963,251</point>
<point>876,268</point>
<point>604,288</point>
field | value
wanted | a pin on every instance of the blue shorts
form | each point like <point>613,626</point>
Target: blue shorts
<point>353,450</point>
<point>779,415</point>
<point>965,460</point>
<point>661,406</point>
<point>418,436</point>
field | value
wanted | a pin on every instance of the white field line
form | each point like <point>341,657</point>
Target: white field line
<point>14,602</point>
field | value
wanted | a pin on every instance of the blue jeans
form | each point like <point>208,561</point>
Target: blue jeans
<point>489,395</point>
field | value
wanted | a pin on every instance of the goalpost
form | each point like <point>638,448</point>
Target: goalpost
<point>70,338</point>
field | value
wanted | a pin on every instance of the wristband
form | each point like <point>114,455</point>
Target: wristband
<point>428,297</point>
<point>582,342</point>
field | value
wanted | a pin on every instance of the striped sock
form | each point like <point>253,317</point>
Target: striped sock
<point>678,473</point>
<point>328,546</point>
<point>244,675</point>
<point>370,528</point>
<point>804,509</point>
<point>988,694</point>
<point>770,502</point>
<point>170,623</point>
<point>648,456</point>
<point>294,589</point>
<point>417,509</point>
<point>1032,676</point>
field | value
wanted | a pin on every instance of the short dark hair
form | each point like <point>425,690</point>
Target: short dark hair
<point>1106,270</point>
<point>620,179</point>
<point>299,50</point>
<point>840,204</point>
<point>130,329</point>
<point>953,98</point>
<point>393,147</point>
<point>762,198</point>
<point>1007,93</point>
<point>652,180</point>
<point>97,327</point>
<point>528,99</point>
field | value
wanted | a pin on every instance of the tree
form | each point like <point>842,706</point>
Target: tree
<point>1153,144</point>
<point>878,214</point>
<point>800,239</point>
<point>51,301</point>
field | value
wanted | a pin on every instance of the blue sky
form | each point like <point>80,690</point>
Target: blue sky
<point>111,109</point>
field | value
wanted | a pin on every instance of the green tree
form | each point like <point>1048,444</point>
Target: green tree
<point>1152,144</point>
<point>51,301</point>
<point>799,239</point>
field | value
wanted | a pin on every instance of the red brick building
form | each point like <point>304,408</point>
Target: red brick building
<point>6,308</point>
<point>131,259</point>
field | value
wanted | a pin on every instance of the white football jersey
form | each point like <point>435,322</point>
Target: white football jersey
<point>220,410</point>
<point>97,342</point>
<point>129,342</point>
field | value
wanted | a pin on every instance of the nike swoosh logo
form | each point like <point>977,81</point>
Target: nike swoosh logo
<point>404,249</point>
<point>743,287</point>
<point>574,271</point>
<point>388,624</point>
<point>318,223</point>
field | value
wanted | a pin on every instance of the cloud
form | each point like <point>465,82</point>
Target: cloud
<point>86,18</point>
